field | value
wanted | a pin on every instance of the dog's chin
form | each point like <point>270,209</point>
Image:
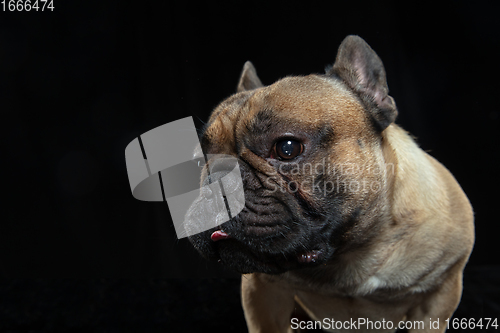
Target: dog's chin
<point>267,252</point>
<point>241,260</point>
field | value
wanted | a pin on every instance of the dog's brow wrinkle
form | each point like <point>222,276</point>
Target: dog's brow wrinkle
<point>262,123</point>
<point>325,134</point>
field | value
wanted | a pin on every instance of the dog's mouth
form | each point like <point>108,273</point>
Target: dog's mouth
<point>271,265</point>
<point>310,256</point>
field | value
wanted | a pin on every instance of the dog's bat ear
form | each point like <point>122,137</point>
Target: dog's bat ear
<point>248,79</point>
<point>362,70</point>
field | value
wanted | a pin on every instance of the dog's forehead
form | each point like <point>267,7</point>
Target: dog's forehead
<point>312,100</point>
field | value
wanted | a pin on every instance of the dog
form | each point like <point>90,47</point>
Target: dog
<point>345,216</point>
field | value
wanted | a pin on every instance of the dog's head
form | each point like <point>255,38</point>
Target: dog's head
<point>312,163</point>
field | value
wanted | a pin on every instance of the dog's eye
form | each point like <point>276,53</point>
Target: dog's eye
<point>288,149</point>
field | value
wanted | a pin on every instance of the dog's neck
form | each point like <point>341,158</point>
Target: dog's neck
<point>413,174</point>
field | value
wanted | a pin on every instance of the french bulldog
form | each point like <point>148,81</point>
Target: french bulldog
<point>345,217</point>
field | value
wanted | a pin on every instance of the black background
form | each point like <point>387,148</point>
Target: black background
<point>79,83</point>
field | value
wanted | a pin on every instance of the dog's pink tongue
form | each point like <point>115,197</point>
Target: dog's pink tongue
<point>219,235</point>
